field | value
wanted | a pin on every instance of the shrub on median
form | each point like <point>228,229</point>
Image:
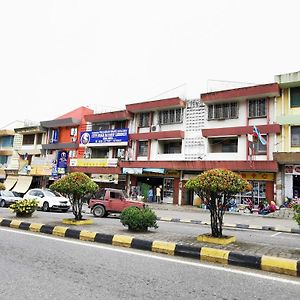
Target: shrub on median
<point>296,208</point>
<point>24,206</point>
<point>138,219</point>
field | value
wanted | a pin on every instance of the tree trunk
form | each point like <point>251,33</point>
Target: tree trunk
<point>77,209</point>
<point>216,217</point>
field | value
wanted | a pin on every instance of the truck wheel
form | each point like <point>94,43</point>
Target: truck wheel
<point>99,211</point>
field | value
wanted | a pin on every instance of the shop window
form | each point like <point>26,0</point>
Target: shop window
<point>259,148</point>
<point>101,152</point>
<point>295,136</point>
<point>257,108</point>
<point>144,120</point>
<point>143,148</point>
<point>223,111</point>
<point>223,145</point>
<point>256,195</point>
<point>295,96</point>
<point>28,139</point>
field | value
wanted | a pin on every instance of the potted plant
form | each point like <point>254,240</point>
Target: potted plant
<point>24,207</point>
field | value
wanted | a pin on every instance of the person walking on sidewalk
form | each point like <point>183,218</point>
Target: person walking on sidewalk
<point>158,194</point>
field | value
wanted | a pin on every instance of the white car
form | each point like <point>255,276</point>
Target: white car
<point>48,199</point>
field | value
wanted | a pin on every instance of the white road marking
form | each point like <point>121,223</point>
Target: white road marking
<point>198,264</point>
<point>275,234</point>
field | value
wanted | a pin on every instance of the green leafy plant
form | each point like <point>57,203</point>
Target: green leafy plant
<point>296,209</point>
<point>75,186</point>
<point>138,219</point>
<point>2,186</point>
<point>216,187</point>
<point>24,206</point>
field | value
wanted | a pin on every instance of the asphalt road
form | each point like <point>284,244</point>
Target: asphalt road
<point>44,267</point>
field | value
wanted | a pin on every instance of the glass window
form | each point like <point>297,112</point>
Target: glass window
<point>295,96</point>
<point>223,111</point>
<point>144,120</point>
<point>171,116</point>
<point>39,138</point>
<point>6,141</point>
<point>101,152</point>
<point>219,145</point>
<point>295,135</point>
<point>143,148</point>
<point>28,139</point>
<point>257,108</point>
<point>259,148</point>
<point>172,147</point>
<point>100,126</point>
<point>3,159</point>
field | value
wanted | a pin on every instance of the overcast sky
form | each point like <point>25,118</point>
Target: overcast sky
<point>56,56</point>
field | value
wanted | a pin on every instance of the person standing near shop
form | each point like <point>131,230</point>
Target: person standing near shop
<point>158,194</point>
<point>150,195</point>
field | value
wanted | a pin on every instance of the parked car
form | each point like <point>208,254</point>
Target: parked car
<point>48,200</point>
<point>7,198</point>
<point>106,201</point>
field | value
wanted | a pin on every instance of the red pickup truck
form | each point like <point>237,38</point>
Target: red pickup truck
<point>108,200</point>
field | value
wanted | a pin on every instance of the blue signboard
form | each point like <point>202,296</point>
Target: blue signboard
<point>104,136</point>
<point>62,159</point>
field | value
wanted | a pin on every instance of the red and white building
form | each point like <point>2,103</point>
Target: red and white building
<point>231,117</point>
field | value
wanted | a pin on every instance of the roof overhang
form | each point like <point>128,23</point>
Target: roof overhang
<point>6,132</point>
<point>252,92</point>
<point>109,116</point>
<point>30,130</point>
<point>156,105</point>
<point>60,146</point>
<point>287,157</point>
<point>288,80</point>
<point>67,122</point>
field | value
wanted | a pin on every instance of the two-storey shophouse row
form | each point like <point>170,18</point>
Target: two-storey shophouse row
<point>288,143</point>
<point>241,135</point>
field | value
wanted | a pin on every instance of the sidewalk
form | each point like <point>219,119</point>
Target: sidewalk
<point>243,254</point>
<point>281,220</point>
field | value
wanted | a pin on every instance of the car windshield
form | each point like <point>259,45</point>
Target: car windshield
<point>8,194</point>
<point>49,193</point>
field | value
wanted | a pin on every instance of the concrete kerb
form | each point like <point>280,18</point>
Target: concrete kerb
<point>267,263</point>
<point>238,226</point>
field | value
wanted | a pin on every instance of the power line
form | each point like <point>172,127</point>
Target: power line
<point>167,91</point>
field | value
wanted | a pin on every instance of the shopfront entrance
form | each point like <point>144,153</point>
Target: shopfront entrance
<point>146,183</point>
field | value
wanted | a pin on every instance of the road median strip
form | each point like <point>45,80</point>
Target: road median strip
<point>266,263</point>
<point>227,225</point>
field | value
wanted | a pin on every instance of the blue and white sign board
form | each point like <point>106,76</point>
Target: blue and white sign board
<point>112,137</point>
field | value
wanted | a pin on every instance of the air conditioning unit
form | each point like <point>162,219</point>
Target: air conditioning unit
<point>155,128</point>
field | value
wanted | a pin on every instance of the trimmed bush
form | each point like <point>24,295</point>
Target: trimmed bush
<point>75,186</point>
<point>24,206</point>
<point>296,209</point>
<point>138,219</point>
